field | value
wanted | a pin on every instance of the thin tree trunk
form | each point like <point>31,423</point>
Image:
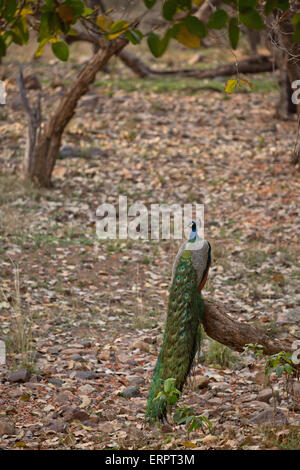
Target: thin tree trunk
<point>47,147</point>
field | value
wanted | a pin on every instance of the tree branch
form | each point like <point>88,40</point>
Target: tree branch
<point>221,327</point>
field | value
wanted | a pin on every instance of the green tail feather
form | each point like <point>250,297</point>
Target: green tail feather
<point>182,334</point>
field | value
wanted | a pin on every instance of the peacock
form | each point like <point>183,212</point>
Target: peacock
<point>182,330</point>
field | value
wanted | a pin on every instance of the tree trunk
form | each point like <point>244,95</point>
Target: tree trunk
<point>40,163</point>
<point>224,329</point>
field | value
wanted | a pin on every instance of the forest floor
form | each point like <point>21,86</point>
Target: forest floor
<point>83,318</point>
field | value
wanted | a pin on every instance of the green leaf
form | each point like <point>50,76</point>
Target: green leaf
<point>233,32</point>
<point>169,385</point>
<point>169,9</point>
<point>195,26</point>
<point>77,6</point>
<point>296,35</point>
<point>296,19</point>
<point>252,20</point>
<point>60,50</point>
<point>118,26</point>
<point>134,36</point>
<point>2,47</point>
<point>87,12</point>
<point>283,5</point>
<point>10,10</point>
<point>184,4</point>
<point>270,5</point>
<point>149,3</point>
<point>279,370</point>
<point>218,19</point>
<point>157,45</point>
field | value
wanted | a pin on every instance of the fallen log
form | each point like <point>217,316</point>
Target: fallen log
<point>221,327</point>
<point>254,64</point>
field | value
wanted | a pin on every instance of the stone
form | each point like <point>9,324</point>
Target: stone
<point>130,392</point>
<point>210,439</point>
<point>104,355</point>
<point>141,345</point>
<point>56,382</point>
<point>268,417</point>
<point>77,357</point>
<point>136,380</point>
<point>200,381</point>
<point>56,425</point>
<point>18,376</point>
<point>6,428</point>
<point>63,397</point>
<point>266,394</point>
<point>72,414</point>
<point>86,374</point>
<point>86,389</point>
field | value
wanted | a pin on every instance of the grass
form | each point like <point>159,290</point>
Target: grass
<point>175,84</point>
<point>19,340</point>
<point>218,355</point>
<point>285,439</point>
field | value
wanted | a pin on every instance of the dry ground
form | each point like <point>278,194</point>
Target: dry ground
<point>86,316</point>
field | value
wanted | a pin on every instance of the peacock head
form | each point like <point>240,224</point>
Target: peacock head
<point>193,226</point>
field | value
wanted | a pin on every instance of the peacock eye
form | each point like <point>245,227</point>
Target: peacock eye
<point>182,268</point>
<point>178,278</point>
<point>186,295</point>
<point>188,284</point>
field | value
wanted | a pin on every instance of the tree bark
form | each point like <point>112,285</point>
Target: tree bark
<point>47,147</point>
<point>221,327</point>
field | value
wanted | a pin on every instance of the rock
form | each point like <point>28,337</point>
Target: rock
<point>266,394</point>
<point>56,425</point>
<point>77,357</point>
<point>54,349</point>
<point>200,381</point>
<point>18,376</point>
<point>32,82</point>
<point>130,392</point>
<point>86,344</point>
<point>296,389</point>
<point>104,355</point>
<point>86,374</point>
<point>86,389</point>
<point>72,414</point>
<point>260,378</point>
<point>93,423</point>
<point>6,428</point>
<point>259,405</point>
<point>209,439</point>
<point>219,386</point>
<point>70,351</point>
<point>136,380</point>
<point>215,401</point>
<point>63,397</point>
<point>267,417</point>
<point>56,382</point>
<point>141,345</point>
